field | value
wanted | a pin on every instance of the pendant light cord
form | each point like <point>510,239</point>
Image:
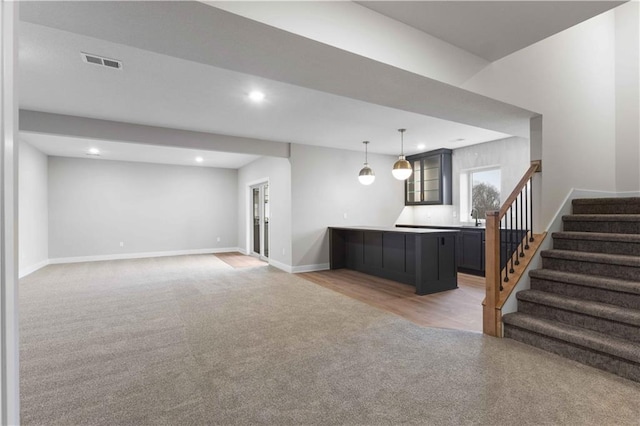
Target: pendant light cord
<point>366,152</point>
<point>402,141</point>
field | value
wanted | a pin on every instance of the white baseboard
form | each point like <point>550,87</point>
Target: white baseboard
<point>298,269</point>
<point>282,266</point>
<point>32,268</point>
<point>60,260</point>
<point>310,268</point>
<point>140,255</point>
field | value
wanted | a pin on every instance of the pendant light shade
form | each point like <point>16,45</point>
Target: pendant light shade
<point>366,176</point>
<point>402,168</point>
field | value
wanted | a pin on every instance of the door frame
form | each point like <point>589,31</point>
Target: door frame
<point>248,248</point>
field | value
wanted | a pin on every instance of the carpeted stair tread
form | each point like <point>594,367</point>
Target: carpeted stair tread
<point>595,309</point>
<point>605,283</point>
<point>597,242</point>
<point>601,218</point>
<point>609,223</point>
<point>597,236</point>
<point>606,205</point>
<point>602,258</point>
<point>576,335</point>
<point>610,200</point>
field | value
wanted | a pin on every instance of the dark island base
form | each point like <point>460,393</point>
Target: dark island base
<point>425,259</point>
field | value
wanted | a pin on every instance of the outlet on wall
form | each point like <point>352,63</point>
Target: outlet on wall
<point>121,243</point>
<point>344,215</point>
<point>284,251</point>
<point>218,239</point>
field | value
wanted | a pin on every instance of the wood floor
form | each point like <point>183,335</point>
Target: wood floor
<point>459,309</point>
<point>239,260</point>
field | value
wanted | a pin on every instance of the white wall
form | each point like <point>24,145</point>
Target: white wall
<point>278,173</point>
<point>95,204</point>
<point>33,235</point>
<point>325,187</point>
<point>570,79</point>
<point>510,154</point>
<point>628,97</point>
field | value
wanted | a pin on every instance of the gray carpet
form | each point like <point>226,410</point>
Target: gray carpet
<point>189,340</point>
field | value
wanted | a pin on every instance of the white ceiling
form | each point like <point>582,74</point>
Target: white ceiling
<point>491,29</point>
<point>160,90</point>
<point>170,81</point>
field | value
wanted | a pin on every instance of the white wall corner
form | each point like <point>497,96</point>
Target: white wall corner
<point>28,270</point>
<point>282,266</point>
<point>9,302</point>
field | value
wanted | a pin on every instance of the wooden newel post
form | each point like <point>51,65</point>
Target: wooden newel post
<point>492,320</point>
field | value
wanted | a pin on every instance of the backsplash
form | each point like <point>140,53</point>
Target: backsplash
<point>430,215</point>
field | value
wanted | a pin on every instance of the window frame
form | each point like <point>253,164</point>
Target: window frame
<point>466,190</point>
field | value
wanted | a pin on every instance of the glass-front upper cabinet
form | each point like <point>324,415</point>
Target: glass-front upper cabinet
<point>430,182</point>
<point>414,183</point>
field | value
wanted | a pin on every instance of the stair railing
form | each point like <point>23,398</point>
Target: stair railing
<point>509,233</point>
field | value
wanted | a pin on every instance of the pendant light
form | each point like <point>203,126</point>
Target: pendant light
<point>366,176</point>
<point>402,168</point>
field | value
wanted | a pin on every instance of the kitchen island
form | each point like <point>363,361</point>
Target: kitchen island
<point>423,258</point>
<point>471,241</point>
<point>471,245</point>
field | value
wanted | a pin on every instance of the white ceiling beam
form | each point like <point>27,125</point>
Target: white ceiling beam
<point>91,128</point>
<point>360,30</point>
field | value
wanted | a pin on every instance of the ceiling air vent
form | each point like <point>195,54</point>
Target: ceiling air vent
<point>99,60</point>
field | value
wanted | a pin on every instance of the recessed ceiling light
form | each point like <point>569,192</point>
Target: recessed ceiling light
<point>421,146</point>
<point>199,159</point>
<point>93,151</point>
<point>256,96</point>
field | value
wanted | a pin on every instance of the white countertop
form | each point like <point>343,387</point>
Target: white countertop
<point>394,229</point>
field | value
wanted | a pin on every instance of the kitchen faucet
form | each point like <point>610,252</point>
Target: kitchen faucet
<point>475,210</point>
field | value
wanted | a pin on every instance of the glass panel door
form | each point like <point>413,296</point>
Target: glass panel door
<point>431,179</point>
<point>256,220</point>
<point>265,191</point>
<point>414,182</point>
<point>260,220</point>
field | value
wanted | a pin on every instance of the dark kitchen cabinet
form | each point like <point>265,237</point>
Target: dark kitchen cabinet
<point>471,246</point>
<point>424,258</point>
<point>470,243</point>
<point>471,250</point>
<point>430,183</point>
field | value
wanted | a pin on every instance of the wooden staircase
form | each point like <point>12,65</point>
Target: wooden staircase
<point>584,303</point>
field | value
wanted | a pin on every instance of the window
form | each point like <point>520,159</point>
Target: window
<point>479,189</point>
<point>485,191</point>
